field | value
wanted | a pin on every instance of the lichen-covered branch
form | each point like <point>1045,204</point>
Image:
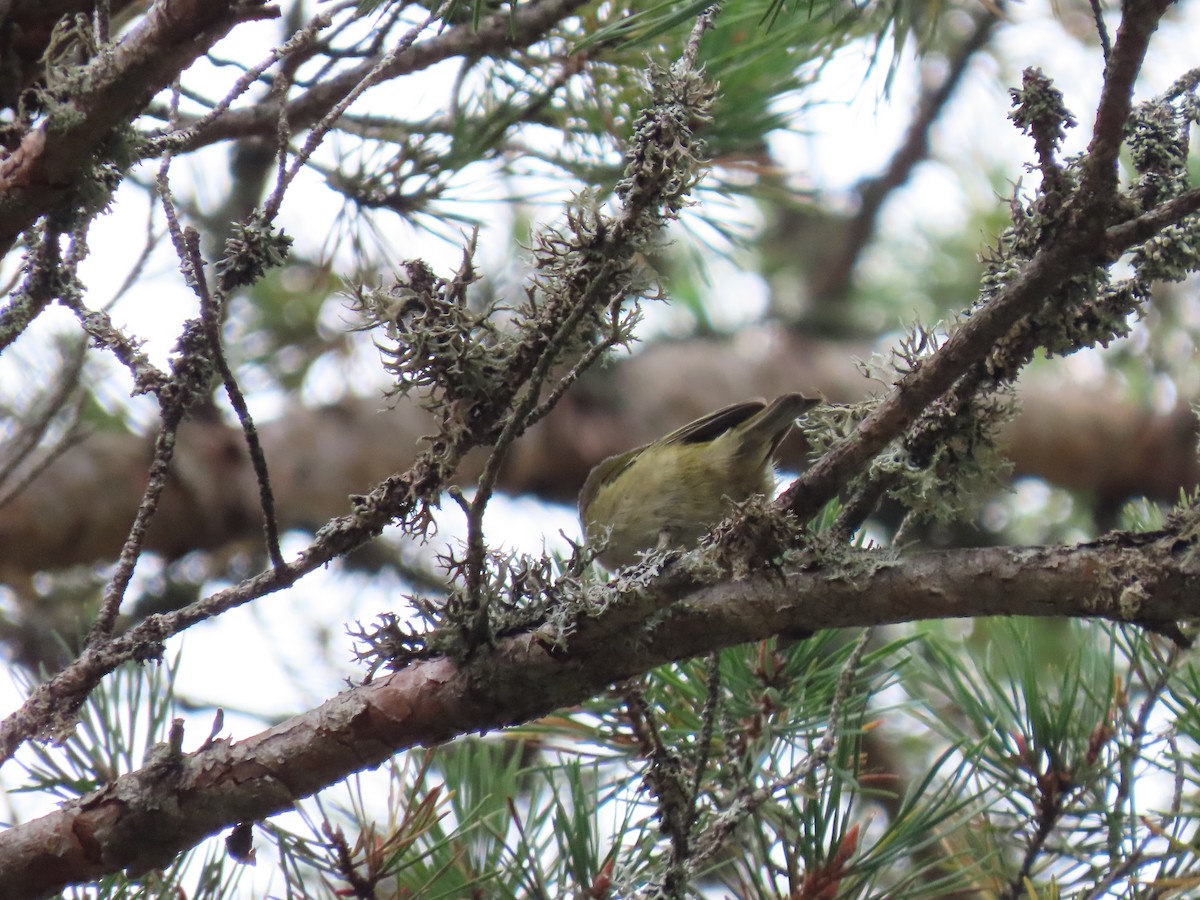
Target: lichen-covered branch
<point>141,820</point>
<point>585,272</point>
<point>48,167</point>
<point>1048,284</point>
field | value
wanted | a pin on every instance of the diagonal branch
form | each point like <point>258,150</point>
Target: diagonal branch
<point>1078,246</point>
<point>1139,21</point>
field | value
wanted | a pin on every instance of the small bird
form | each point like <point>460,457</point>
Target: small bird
<point>671,492</point>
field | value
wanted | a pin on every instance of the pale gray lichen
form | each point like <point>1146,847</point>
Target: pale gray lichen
<point>1130,600</point>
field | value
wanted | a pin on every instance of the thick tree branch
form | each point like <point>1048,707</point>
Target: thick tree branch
<point>1139,21</point>
<point>144,818</point>
<point>44,171</point>
<point>26,28</point>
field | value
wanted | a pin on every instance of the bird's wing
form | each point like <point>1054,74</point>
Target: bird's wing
<point>706,428</point>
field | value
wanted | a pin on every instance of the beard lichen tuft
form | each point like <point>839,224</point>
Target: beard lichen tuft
<point>755,537</point>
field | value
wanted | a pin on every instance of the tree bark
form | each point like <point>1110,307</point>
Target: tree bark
<point>46,170</point>
<point>141,820</point>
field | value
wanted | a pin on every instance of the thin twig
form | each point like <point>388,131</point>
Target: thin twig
<point>704,22</point>
<point>36,422</point>
<point>101,18</point>
<point>147,377</point>
<point>211,316</point>
<point>187,249</point>
<point>172,404</point>
<point>131,551</point>
<point>514,427</point>
<point>38,289</point>
<point>1101,29</point>
<point>663,779</point>
<point>1141,722</point>
<point>1048,818</point>
<point>1115,873</point>
<point>708,721</point>
<point>298,43</point>
<point>611,340</point>
<point>858,508</point>
<point>1184,84</point>
<point>526,23</point>
<point>317,133</point>
<point>1122,237</point>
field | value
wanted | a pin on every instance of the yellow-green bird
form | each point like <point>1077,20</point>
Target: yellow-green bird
<point>671,492</point>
